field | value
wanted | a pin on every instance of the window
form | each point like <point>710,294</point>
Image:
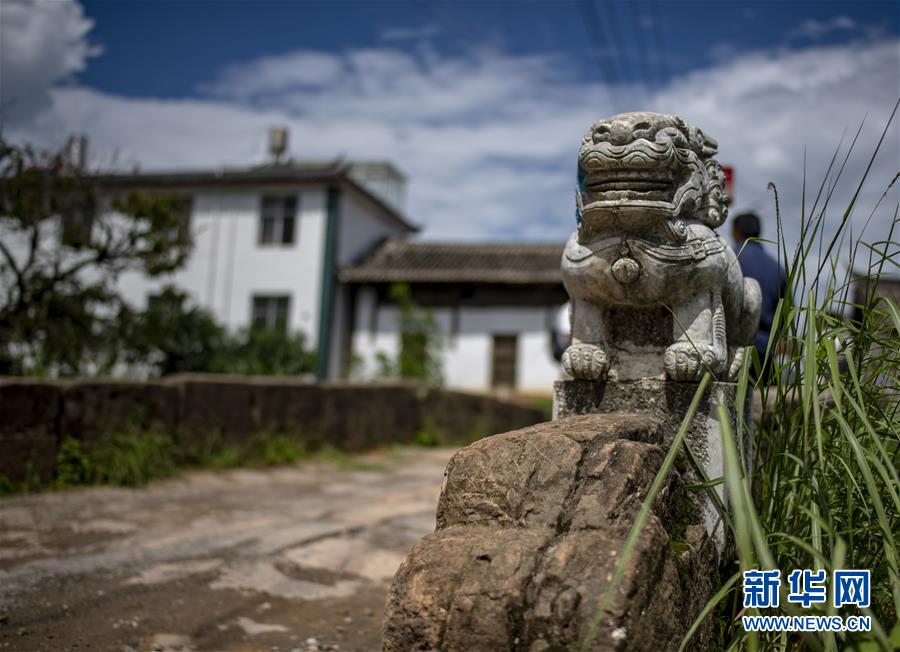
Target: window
<point>155,302</point>
<point>503,361</point>
<point>277,218</point>
<point>270,312</point>
<point>77,210</point>
<point>166,304</point>
<point>182,232</point>
<point>76,228</point>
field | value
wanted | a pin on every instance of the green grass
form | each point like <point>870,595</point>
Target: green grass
<point>261,449</point>
<point>128,459</point>
<point>429,435</point>
<point>132,458</point>
<point>825,492</point>
<point>32,482</point>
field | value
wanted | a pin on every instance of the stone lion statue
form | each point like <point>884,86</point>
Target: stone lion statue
<point>653,288</point>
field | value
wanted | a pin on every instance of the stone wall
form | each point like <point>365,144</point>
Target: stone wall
<point>36,415</point>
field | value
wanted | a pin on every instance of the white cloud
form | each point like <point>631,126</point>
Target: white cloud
<point>766,110</point>
<point>489,140</point>
<point>41,43</point>
<point>298,70</point>
<point>816,29</point>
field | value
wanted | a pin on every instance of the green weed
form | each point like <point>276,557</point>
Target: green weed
<point>274,450</point>
<point>132,458</point>
<point>428,437</point>
<point>127,459</point>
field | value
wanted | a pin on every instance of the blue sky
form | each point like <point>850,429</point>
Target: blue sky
<point>173,47</point>
<point>482,104</point>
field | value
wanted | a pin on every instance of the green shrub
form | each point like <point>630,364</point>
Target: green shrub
<point>127,459</point>
<point>226,456</point>
<point>421,344</point>
<point>259,450</point>
<point>7,486</point>
<point>133,459</point>
<point>73,465</point>
<point>274,450</point>
<point>429,435</point>
<point>261,351</point>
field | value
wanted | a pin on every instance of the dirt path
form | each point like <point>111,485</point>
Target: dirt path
<point>289,559</point>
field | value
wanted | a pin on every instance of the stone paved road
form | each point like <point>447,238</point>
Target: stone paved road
<point>230,561</point>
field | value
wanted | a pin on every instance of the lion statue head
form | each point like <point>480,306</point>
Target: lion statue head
<point>640,172</point>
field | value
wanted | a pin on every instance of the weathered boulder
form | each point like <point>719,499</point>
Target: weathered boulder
<point>530,524</point>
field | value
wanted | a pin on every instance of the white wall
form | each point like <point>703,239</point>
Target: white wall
<point>361,228</point>
<point>228,266</point>
<point>467,354</point>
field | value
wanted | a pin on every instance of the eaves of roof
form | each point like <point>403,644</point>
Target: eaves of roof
<point>428,262</point>
<point>270,175</point>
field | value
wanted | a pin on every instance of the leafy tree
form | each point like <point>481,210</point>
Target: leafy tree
<point>421,344</point>
<point>60,258</point>
<point>61,254</point>
<point>258,351</point>
<point>171,335</point>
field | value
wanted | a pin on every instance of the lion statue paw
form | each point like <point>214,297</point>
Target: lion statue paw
<point>686,361</point>
<point>585,362</point>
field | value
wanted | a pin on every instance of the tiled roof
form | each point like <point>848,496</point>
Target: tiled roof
<point>434,262</point>
<point>289,170</point>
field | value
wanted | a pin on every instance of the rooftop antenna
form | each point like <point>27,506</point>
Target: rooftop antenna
<point>278,141</point>
<point>76,152</point>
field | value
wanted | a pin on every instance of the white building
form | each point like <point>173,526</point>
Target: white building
<point>495,305</point>
<point>315,247</point>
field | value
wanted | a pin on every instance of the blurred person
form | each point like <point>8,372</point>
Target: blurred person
<point>756,263</point>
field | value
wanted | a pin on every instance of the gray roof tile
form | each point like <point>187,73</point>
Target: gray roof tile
<point>398,260</point>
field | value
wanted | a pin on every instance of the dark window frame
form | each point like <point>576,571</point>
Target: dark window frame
<point>270,312</point>
<point>186,211</point>
<point>76,229</point>
<point>278,220</point>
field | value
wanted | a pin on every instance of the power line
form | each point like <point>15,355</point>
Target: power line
<point>660,42</point>
<point>612,30</point>
<point>608,75</point>
<point>648,72</point>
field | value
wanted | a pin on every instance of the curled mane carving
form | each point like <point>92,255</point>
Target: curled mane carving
<point>639,171</point>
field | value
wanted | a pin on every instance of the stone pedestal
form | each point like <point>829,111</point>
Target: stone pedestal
<point>667,401</point>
